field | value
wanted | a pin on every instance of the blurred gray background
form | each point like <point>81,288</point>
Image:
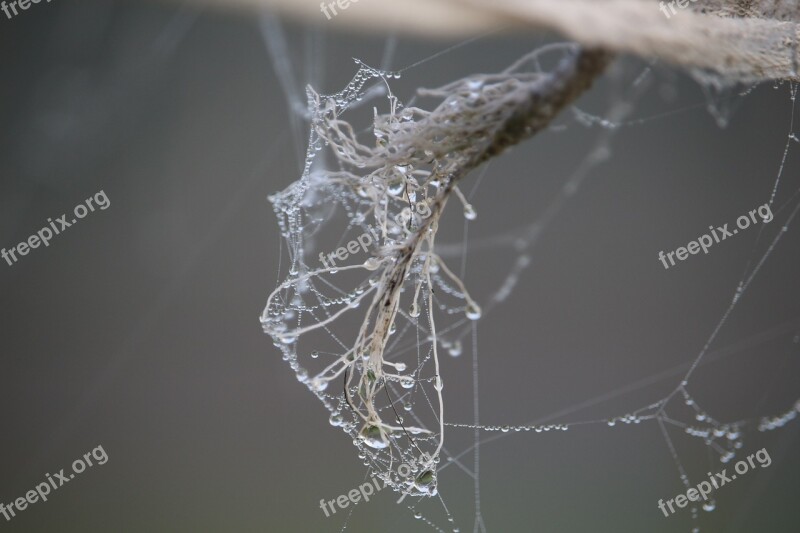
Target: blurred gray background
<point>137,329</point>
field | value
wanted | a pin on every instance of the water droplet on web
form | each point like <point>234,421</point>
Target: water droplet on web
<point>396,188</point>
<point>469,212</point>
<point>426,483</point>
<point>373,437</point>
<point>455,349</point>
<point>473,311</point>
<point>288,339</point>
<point>319,385</point>
<point>726,457</point>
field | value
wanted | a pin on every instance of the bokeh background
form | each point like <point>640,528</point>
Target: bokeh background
<point>137,329</point>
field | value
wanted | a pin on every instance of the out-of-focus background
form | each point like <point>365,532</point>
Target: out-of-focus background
<point>137,328</point>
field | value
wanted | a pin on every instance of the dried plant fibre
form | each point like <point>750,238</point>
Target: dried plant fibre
<point>741,40</point>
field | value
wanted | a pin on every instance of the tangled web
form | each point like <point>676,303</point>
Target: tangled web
<point>370,304</point>
<point>382,382</point>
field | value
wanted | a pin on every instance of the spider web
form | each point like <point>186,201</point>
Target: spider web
<point>368,185</point>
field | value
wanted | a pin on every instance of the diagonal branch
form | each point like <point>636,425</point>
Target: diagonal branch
<point>531,113</point>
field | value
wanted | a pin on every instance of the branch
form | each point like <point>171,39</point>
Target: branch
<point>736,40</point>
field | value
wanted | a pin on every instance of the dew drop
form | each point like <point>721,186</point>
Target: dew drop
<point>473,311</point>
<point>469,212</point>
<point>396,188</point>
<point>319,385</point>
<point>287,339</point>
<point>425,479</point>
<point>373,437</point>
<point>372,263</point>
<point>456,349</point>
